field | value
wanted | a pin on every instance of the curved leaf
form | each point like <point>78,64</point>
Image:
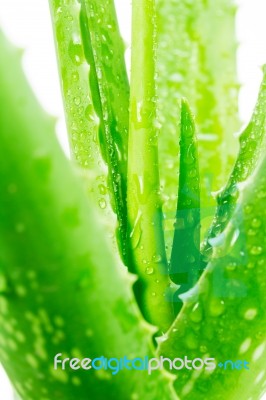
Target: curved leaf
<point>252,147</point>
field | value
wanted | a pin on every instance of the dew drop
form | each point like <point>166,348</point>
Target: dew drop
<point>75,76</point>
<point>196,313</point>
<point>149,271</point>
<point>259,377</point>
<point>231,266</point>
<point>251,265</point>
<point>256,223</point>
<point>245,346</point>
<point>250,314</point>
<point>261,263</point>
<point>256,250</point>
<point>89,333</point>
<point>258,352</point>
<point>135,234</point>
<point>261,194</point>
<point>157,258</point>
<point>248,209</point>
<point>89,113</point>
<point>216,307</point>
<point>75,53</point>
<point>77,100</point>
<point>102,189</point>
<point>193,173</point>
<point>102,204</point>
<point>191,341</point>
<point>203,349</point>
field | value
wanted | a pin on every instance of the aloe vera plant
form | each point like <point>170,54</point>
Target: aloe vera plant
<point>101,255</point>
<point>45,308</point>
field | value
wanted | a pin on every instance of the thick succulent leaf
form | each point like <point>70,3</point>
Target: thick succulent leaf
<point>224,317</point>
<point>98,50</point>
<point>185,255</point>
<point>252,146</point>
<point>104,52</point>
<point>196,60</point>
<point>144,204</point>
<point>82,124</point>
<point>61,290</point>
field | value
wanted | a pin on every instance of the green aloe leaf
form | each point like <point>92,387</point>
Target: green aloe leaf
<point>197,60</point>
<point>252,146</point>
<point>99,50</point>
<point>104,52</point>
<point>82,124</point>
<point>185,255</point>
<point>144,203</point>
<point>224,316</point>
<point>60,286</point>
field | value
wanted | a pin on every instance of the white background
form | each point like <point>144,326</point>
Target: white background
<point>28,25</point>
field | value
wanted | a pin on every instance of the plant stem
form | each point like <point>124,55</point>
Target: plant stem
<point>144,203</point>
